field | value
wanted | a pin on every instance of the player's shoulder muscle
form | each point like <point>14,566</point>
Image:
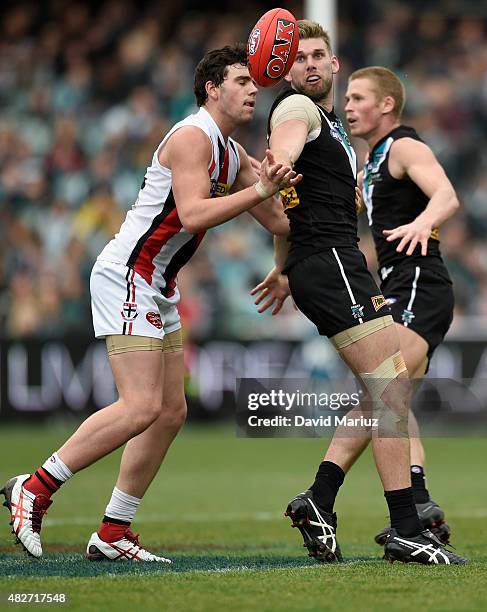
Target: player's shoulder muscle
<point>189,145</point>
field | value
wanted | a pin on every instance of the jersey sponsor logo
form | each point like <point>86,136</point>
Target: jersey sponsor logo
<point>289,197</point>
<point>221,189</point>
<point>129,311</point>
<point>281,49</point>
<point>407,316</point>
<point>154,319</point>
<point>357,311</point>
<point>378,301</point>
<point>435,233</point>
<point>254,40</point>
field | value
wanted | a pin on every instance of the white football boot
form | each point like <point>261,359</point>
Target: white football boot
<point>26,510</point>
<point>126,549</point>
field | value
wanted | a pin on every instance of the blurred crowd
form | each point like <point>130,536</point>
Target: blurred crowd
<point>88,90</point>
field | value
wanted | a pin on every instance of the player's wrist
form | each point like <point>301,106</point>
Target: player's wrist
<point>265,191</point>
<point>425,221</point>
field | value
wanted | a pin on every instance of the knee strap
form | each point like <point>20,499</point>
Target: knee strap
<point>376,383</point>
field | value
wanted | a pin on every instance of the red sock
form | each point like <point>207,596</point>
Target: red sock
<point>42,483</point>
<point>112,532</point>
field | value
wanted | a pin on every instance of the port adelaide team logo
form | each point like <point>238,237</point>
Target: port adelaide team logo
<point>357,311</point>
<point>129,311</point>
<point>407,316</point>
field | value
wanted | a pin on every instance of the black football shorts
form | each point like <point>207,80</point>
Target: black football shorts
<point>335,290</point>
<point>420,295</point>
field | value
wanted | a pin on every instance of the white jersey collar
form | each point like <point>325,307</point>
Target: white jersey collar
<point>204,112</point>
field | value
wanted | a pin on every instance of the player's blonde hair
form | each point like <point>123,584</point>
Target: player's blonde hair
<point>312,29</point>
<point>385,83</point>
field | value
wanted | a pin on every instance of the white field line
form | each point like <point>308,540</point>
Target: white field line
<point>207,517</point>
<point>224,570</point>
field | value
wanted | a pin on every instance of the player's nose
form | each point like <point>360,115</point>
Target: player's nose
<point>310,62</point>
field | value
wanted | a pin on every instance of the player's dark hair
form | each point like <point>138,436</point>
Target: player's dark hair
<point>214,67</point>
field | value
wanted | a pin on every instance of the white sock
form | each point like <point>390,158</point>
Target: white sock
<point>57,468</point>
<point>122,506</point>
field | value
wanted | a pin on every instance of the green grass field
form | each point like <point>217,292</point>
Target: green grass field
<point>216,510</point>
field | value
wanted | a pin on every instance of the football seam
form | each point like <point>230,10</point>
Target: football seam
<point>261,69</point>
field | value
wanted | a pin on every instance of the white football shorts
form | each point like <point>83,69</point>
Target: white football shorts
<point>123,303</point>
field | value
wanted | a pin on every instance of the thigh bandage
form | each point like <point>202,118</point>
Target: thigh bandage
<point>173,342</point>
<point>119,344</point>
<point>357,332</point>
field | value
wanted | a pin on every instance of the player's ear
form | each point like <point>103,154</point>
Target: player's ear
<point>335,64</point>
<point>288,77</point>
<point>211,90</point>
<point>388,104</point>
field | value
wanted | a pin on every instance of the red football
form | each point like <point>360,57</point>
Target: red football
<point>272,47</point>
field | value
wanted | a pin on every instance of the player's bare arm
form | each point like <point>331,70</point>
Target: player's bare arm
<point>359,203</point>
<point>275,286</point>
<point>269,213</point>
<point>413,159</point>
<point>287,140</point>
<point>188,155</point>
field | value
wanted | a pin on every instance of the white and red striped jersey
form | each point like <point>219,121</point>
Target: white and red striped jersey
<point>152,240</point>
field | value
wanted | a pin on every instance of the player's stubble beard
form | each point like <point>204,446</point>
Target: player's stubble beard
<point>318,96</point>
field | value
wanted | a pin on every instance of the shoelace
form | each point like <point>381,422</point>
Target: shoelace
<point>39,509</point>
<point>132,537</point>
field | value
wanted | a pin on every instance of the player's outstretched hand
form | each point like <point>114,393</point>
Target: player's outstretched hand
<point>412,233</point>
<point>274,289</point>
<point>274,176</point>
<point>255,163</point>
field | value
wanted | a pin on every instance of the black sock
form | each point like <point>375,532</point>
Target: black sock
<point>418,481</point>
<point>328,480</point>
<point>402,510</point>
<point>114,521</point>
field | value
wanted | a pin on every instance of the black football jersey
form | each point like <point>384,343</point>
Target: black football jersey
<point>321,208</point>
<point>392,202</point>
